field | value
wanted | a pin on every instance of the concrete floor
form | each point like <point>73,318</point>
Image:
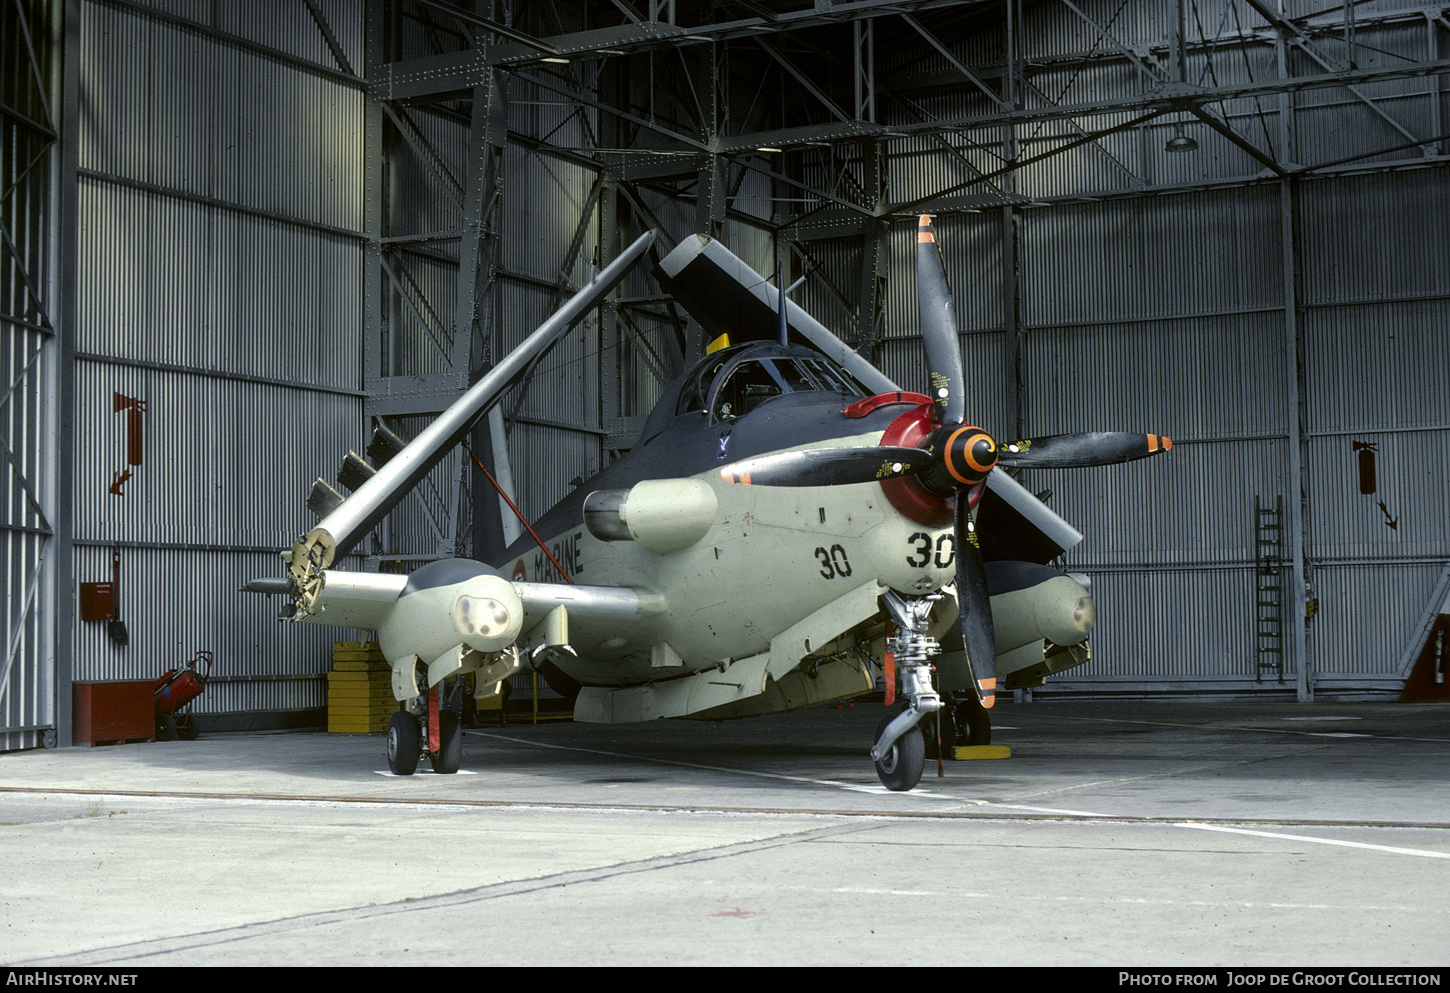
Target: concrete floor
<point>1120,834</point>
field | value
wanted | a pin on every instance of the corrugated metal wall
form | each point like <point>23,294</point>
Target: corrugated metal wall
<point>216,330</point>
<point>1376,308</point>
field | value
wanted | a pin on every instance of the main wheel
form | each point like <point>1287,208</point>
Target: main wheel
<point>450,744</point>
<point>964,721</point>
<point>900,768</point>
<point>188,728</point>
<point>403,744</point>
<point>973,719</point>
<point>165,727</point>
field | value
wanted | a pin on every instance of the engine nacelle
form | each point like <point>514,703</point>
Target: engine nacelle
<point>663,515</point>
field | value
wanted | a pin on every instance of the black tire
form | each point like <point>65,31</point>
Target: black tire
<point>165,727</point>
<point>188,728</point>
<point>557,680</point>
<point>900,768</point>
<point>403,744</point>
<point>450,744</point>
<point>973,721</point>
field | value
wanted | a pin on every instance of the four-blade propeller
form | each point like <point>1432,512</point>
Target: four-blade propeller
<point>950,460</point>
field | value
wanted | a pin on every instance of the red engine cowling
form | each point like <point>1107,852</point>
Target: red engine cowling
<point>907,494</point>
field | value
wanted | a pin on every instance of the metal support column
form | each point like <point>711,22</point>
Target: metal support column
<point>494,525</point>
<point>37,247</point>
<point>1297,602</point>
<point>1011,97</point>
<point>66,22</point>
<point>374,320</point>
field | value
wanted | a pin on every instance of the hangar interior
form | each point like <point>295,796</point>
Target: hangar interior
<point>238,237</point>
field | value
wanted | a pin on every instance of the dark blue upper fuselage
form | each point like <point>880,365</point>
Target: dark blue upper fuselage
<point>733,404</point>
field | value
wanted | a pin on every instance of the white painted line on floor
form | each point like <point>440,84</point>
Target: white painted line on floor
<point>1390,849</point>
<point>717,768</point>
<point>421,773</point>
<point>1003,898</point>
<point>918,791</point>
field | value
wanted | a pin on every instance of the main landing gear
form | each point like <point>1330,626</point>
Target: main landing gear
<point>900,749</point>
<point>436,730</point>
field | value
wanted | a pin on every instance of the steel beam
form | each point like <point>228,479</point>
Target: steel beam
<point>1167,97</point>
<point>55,599</point>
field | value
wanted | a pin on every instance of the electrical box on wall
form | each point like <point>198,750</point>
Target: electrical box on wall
<point>98,601</point>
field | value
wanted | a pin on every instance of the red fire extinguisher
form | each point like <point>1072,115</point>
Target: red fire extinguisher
<point>175,690</point>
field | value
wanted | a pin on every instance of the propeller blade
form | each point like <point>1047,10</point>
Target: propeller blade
<point>1069,451</point>
<point>975,608</point>
<point>939,329</point>
<point>828,466</point>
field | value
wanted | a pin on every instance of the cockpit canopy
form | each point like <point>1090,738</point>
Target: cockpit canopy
<point>732,382</point>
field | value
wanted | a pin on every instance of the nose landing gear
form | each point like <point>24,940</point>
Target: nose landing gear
<point>900,750</point>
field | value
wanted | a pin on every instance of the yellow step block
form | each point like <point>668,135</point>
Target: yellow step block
<point>361,708</point>
<point>360,677</point>
<point>981,752</point>
<point>357,725</point>
<point>353,651</point>
<point>359,665</point>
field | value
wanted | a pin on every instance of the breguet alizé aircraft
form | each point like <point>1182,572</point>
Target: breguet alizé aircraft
<point>789,528</point>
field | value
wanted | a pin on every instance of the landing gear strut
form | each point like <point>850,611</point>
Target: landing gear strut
<point>900,750</point>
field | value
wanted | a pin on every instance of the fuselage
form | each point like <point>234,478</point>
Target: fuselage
<point>771,555</point>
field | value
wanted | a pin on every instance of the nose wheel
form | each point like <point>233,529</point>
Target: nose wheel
<point>899,766</point>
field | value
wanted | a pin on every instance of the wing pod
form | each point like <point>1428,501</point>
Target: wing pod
<point>483,612</point>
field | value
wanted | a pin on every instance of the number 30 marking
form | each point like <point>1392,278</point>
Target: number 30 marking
<point>834,562</point>
<point>946,550</point>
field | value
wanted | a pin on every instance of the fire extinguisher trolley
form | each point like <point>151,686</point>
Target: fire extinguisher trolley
<point>175,691</point>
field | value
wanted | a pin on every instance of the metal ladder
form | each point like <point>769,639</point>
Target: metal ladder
<point>1269,587</point>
